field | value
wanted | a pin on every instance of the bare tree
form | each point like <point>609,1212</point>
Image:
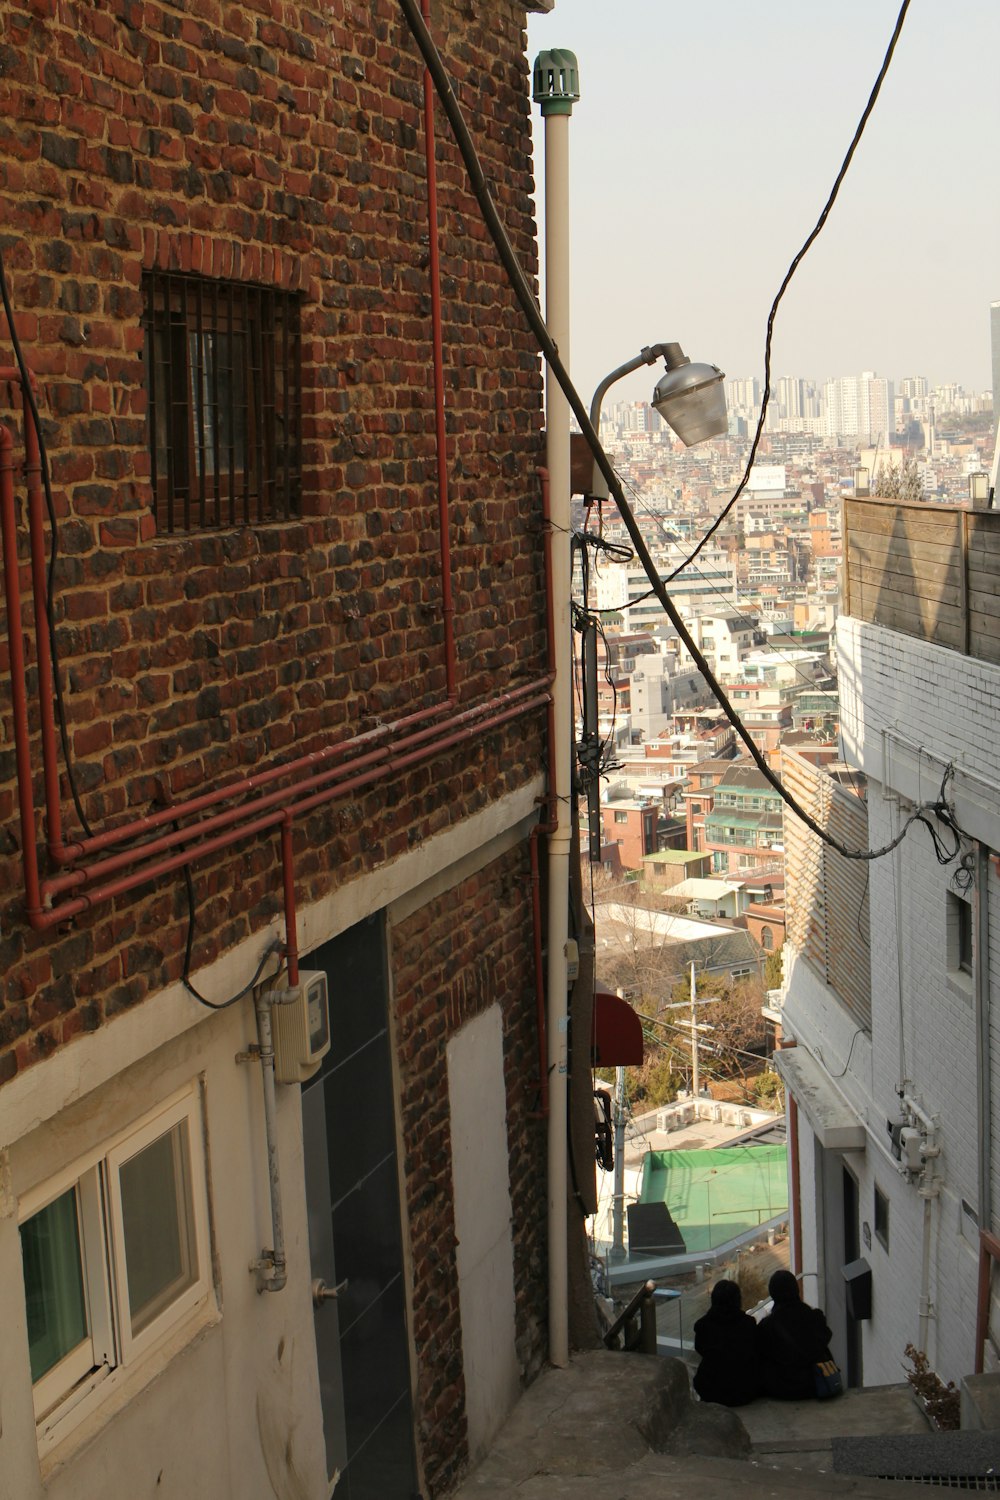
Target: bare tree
<point>899,481</point>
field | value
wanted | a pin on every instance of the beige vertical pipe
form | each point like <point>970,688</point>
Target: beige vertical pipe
<point>557,458</point>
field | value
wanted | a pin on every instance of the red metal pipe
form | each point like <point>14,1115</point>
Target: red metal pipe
<point>19,698</point>
<point>546,825</point>
<point>400,762</point>
<point>86,874</point>
<point>288,880</point>
<point>43,644</point>
<point>123,832</point>
<point>447,600</point>
<point>52,916</point>
<point>792,1110</point>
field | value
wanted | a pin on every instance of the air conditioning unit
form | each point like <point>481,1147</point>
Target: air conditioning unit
<point>301,1028</point>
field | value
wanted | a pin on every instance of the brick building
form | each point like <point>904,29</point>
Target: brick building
<point>297,608</point>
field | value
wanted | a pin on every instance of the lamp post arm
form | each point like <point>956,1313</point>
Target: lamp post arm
<point>647,356</point>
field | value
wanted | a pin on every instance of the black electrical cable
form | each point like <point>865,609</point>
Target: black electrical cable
<point>29,397</point>
<point>525,297</point>
<point>809,241</point>
<point>275,946</point>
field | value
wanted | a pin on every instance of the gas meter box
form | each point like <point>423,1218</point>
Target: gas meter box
<point>301,1029</point>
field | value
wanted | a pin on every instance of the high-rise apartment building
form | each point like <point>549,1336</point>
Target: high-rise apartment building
<point>859,406</point>
<point>995,351</point>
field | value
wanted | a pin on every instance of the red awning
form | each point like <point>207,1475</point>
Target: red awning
<point>617,1032</point>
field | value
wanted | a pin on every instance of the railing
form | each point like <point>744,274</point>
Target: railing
<point>931,571</point>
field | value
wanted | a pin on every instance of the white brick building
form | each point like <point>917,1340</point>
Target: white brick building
<point>927,1056</point>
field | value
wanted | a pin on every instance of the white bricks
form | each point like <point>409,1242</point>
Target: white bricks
<point>909,709</point>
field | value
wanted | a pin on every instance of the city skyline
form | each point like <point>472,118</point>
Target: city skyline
<point>902,277</point>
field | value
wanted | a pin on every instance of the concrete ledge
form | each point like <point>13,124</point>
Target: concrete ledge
<point>981,1403</point>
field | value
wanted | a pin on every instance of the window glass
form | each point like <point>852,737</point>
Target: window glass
<point>160,1255</point>
<point>881,1218</point>
<point>53,1283</point>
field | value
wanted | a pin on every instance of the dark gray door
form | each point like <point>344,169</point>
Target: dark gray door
<point>852,1249</point>
<point>840,1240</point>
<point>355,1242</point>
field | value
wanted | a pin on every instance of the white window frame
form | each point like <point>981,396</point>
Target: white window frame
<point>64,1395</point>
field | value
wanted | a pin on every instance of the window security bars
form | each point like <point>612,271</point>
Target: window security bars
<point>223,362</point>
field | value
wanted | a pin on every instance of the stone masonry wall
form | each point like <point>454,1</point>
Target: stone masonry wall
<point>276,143</point>
<point>442,978</point>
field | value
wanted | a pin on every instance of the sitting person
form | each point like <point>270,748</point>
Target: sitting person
<point>790,1341</point>
<point>725,1339</point>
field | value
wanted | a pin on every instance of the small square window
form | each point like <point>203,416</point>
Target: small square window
<point>881,1218</point>
<point>224,390</point>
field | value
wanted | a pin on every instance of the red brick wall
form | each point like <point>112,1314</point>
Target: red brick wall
<point>444,974</point>
<point>281,144</point>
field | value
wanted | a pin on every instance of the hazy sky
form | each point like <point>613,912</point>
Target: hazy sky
<point>704,145</point>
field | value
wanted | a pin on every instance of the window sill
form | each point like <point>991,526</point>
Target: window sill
<point>959,986</point>
<point>65,1431</point>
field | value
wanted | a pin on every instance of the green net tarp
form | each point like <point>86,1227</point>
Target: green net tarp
<point>715,1195</point>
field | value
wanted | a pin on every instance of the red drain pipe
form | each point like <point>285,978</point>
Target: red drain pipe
<point>792,1130</point>
<point>434,271</point>
<point>288,881</point>
<point>386,758</point>
<point>238,831</point>
<point>46,697</point>
<point>22,759</point>
<point>546,825</point>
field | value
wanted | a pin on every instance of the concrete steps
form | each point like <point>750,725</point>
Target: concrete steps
<point>624,1427</point>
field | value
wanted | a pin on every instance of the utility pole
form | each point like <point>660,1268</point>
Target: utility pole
<point>694,1037</point>
<point>556,89</point>
<point>694,1025</point>
<point>618,1198</point>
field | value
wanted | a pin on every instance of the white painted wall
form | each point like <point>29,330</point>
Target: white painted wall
<point>909,708</point>
<point>485,1252</point>
<point>230,1406</point>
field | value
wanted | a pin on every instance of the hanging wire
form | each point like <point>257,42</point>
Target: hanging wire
<point>939,808</point>
<point>50,587</point>
<point>796,262</point>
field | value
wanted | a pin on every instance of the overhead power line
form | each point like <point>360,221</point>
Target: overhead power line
<point>940,808</point>
<point>797,261</point>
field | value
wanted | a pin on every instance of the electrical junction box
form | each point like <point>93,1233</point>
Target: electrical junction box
<point>910,1144</point>
<point>301,1029</point>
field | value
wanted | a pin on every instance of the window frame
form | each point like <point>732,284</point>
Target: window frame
<point>231,439</point>
<point>960,945</point>
<point>67,1392</point>
<point>880,1216</point>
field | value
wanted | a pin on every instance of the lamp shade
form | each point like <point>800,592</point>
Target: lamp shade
<point>690,398</point>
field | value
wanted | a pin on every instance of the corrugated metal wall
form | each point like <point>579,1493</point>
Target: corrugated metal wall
<point>826,894</point>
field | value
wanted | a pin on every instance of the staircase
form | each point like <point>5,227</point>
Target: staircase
<point>615,1426</point>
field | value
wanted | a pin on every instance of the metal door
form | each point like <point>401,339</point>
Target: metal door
<point>355,1241</point>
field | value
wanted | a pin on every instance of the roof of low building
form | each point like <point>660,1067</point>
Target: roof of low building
<point>674,857</point>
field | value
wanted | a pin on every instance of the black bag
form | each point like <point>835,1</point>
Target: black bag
<point>827,1378</point>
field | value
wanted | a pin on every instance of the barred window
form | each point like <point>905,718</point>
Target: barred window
<point>223,380</point>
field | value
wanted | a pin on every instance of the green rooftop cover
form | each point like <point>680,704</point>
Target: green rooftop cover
<point>715,1195</point>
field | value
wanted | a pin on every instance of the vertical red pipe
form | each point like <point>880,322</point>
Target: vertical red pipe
<point>46,693</point>
<point>8,536</point>
<point>291,919</point>
<point>444,520</point>
<point>792,1111</point>
<point>548,824</point>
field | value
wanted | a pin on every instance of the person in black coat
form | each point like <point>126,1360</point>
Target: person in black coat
<point>790,1341</point>
<point>725,1338</point>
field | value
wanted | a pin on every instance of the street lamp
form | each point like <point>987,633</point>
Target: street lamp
<point>689,397</point>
